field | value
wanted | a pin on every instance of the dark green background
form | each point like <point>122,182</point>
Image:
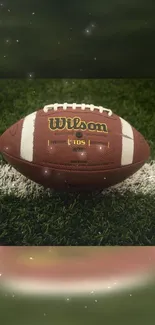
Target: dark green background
<point>134,307</point>
<point>53,42</point>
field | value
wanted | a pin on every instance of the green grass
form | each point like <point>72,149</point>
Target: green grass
<point>79,219</point>
<point>71,219</point>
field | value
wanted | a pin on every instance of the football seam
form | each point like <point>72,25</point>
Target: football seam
<point>56,166</point>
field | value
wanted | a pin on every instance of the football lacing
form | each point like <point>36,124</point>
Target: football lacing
<point>75,106</point>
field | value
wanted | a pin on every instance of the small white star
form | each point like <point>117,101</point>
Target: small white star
<point>87,31</point>
<point>30,75</point>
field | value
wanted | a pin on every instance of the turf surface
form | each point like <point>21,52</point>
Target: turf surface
<point>109,218</point>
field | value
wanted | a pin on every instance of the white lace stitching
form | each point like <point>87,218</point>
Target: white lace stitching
<point>75,106</point>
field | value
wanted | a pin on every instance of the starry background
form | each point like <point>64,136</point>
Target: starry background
<point>63,38</point>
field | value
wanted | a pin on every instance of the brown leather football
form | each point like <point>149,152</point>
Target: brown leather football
<point>74,146</point>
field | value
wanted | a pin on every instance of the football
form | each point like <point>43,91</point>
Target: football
<point>74,147</point>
